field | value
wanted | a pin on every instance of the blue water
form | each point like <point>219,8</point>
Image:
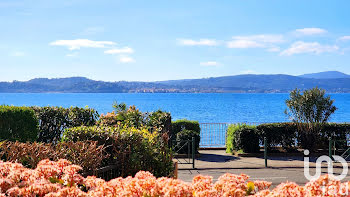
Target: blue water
<point>223,108</point>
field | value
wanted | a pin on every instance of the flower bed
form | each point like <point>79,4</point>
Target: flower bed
<point>61,178</point>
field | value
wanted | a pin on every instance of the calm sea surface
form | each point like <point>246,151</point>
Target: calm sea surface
<point>225,108</point>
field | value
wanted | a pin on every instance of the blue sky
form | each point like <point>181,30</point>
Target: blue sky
<point>161,40</point>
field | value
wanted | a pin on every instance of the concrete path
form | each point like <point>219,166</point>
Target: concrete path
<point>280,169</point>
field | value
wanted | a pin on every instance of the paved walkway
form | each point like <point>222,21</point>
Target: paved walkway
<point>281,169</point>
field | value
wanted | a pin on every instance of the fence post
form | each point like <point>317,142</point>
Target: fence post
<point>193,152</point>
<point>188,150</point>
<point>265,151</point>
<point>176,170</point>
<point>330,148</point>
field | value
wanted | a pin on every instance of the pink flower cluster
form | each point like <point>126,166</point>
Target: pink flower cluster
<point>61,178</point>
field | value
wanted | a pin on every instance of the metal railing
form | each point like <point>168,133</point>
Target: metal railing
<point>213,135</point>
<point>107,173</point>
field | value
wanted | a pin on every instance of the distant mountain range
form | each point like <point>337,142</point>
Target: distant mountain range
<point>326,75</point>
<point>332,81</point>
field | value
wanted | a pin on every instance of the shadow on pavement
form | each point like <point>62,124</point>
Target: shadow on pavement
<point>207,157</point>
<point>291,158</point>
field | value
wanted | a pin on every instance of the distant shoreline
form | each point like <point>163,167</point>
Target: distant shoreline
<point>227,84</point>
<point>204,107</point>
<point>159,92</point>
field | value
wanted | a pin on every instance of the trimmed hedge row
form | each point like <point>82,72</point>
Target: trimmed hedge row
<point>47,124</point>
<point>54,120</point>
<point>180,125</point>
<point>242,137</point>
<point>18,124</point>
<point>279,134</point>
<point>285,135</point>
<point>42,124</point>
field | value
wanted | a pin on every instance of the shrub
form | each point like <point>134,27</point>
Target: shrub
<point>103,135</point>
<point>230,137</point>
<point>155,121</point>
<point>180,125</point>
<point>279,134</point>
<point>242,137</point>
<point>130,149</point>
<point>54,120</point>
<point>185,130</point>
<point>110,119</point>
<point>159,121</point>
<point>61,178</point>
<point>310,110</point>
<point>130,117</point>
<point>18,123</point>
<point>86,154</point>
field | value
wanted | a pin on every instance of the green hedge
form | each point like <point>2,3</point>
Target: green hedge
<point>288,136</point>
<point>336,131</point>
<point>183,130</point>
<point>18,124</point>
<point>279,134</point>
<point>130,149</point>
<point>180,125</point>
<point>54,120</point>
<point>285,135</point>
<point>95,133</point>
<point>242,137</point>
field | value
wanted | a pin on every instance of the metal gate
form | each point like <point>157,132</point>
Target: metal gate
<point>339,147</point>
<point>213,135</point>
<point>184,151</point>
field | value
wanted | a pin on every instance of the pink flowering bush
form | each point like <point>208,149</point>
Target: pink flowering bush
<point>61,178</point>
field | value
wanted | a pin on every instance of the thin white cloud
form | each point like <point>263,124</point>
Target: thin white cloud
<point>344,38</point>
<point>126,59</point>
<point>256,41</point>
<point>262,38</point>
<point>119,51</point>
<point>210,63</point>
<point>17,54</point>
<point>243,44</point>
<point>308,47</point>
<point>81,43</point>
<point>310,31</point>
<point>201,42</point>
